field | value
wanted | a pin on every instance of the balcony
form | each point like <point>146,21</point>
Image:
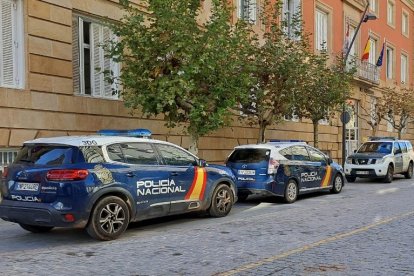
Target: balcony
<point>367,72</point>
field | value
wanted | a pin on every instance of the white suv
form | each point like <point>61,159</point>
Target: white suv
<point>381,158</point>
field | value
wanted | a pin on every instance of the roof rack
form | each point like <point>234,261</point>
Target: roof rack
<point>139,132</point>
<point>377,138</point>
<point>279,141</point>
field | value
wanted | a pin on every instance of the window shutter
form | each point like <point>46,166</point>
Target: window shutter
<point>107,64</point>
<point>8,44</point>
<point>97,60</point>
<point>76,54</point>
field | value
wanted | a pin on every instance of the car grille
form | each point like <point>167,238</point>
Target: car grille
<point>363,161</point>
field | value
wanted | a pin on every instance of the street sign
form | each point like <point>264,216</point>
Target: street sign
<point>345,117</point>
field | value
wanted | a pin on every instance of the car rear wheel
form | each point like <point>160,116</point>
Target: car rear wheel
<point>36,228</point>
<point>109,219</point>
<point>337,184</point>
<point>350,179</point>
<point>409,173</point>
<point>221,201</point>
<point>291,192</point>
<point>390,174</point>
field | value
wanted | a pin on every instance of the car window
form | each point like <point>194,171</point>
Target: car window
<point>397,149</point>
<point>300,153</point>
<point>139,153</point>
<point>287,153</point>
<point>316,156</point>
<point>48,155</point>
<point>409,146</point>
<point>176,157</point>
<point>115,153</point>
<point>379,147</point>
<point>92,154</point>
<point>403,147</point>
<point>249,155</point>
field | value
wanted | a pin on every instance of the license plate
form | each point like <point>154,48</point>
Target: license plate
<point>362,172</point>
<point>23,186</point>
<point>247,172</point>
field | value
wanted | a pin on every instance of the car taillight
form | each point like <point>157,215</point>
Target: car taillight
<point>5,172</point>
<point>67,174</point>
<point>273,165</point>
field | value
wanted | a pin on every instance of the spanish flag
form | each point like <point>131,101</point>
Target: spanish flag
<point>365,55</point>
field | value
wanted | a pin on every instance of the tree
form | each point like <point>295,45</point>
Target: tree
<point>327,88</point>
<point>174,64</point>
<point>374,115</point>
<point>278,67</point>
<point>398,108</point>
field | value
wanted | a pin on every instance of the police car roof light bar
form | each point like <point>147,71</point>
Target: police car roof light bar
<point>377,138</point>
<point>285,141</point>
<point>139,132</point>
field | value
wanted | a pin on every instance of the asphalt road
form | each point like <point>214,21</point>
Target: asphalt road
<point>368,229</point>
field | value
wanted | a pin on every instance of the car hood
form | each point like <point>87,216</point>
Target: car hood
<point>368,155</point>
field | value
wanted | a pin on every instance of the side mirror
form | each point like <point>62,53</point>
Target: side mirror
<point>330,161</point>
<point>355,151</point>
<point>202,163</point>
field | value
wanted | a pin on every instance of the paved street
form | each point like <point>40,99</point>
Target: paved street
<point>365,230</point>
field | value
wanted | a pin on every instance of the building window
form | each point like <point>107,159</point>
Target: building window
<point>321,32</point>
<point>89,60</point>
<point>290,10</point>
<point>404,68</point>
<point>391,13</point>
<point>11,44</point>
<point>373,6</point>
<point>7,156</point>
<point>405,23</point>
<point>247,10</point>
<point>293,117</point>
<point>373,51</point>
<point>390,127</point>
<point>390,63</point>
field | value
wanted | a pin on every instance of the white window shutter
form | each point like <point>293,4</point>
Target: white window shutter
<point>107,64</point>
<point>96,60</point>
<point>8,44</point>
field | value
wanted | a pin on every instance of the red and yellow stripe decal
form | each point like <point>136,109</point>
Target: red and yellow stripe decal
<point>199,185</point>
<point>327,178</point>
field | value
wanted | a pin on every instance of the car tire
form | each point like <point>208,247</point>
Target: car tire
<point>338,183</point>
<point>390,174</point>
<point>242,197</point>
<point>291,191</point>
<point>221,202</point>
<point>351,179</point>
<point>35,228</point>
<point>109,219</point>
<point>409,173</point>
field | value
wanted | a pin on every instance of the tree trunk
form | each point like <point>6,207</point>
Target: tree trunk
<point>399,134</point>
<point>193,145</point>
<point>262,131</point>
<point>315,133</point>
<point>374,131</point>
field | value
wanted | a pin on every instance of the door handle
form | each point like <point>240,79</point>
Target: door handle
<point>130,174</point>
<point>174,173</point>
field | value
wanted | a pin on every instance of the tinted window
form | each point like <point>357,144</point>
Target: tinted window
<point>249,155</point>
<point>92,154</point>
<point>380,147</point>
<point>397,149</point>
<point>316,156</point>
<point>139,153</point>
<point>300,153</point>
<point>175,156</point>
<point>48,155</point>
<point>115,153</point>
<point>409,146</point>
<point>403,146</point>
<point>287,153</point>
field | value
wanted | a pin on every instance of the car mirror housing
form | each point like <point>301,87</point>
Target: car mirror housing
<point>202,163</point>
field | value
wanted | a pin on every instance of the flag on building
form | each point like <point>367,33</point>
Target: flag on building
<point>346,41</point>
<point>365,55</point>
<point>381,56</point>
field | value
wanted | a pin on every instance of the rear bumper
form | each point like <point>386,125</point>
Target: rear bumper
<point>271,188</point>
<point>40,214</point>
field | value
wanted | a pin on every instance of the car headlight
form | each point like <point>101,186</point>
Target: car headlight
<point>380,160</point>
<point>349,160</point>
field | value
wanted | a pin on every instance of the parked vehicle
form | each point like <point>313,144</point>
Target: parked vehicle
<point>104,182</point>
<point>381,157</point>
<point>284,169</point>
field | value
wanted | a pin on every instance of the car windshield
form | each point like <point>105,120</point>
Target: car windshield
<point>378,147</point>
<point>249,155</point>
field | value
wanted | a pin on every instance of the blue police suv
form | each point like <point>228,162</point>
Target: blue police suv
<point>104,182</point>
<point>284,169</point>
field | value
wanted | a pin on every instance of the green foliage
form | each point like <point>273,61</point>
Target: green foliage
<point>175,64</point>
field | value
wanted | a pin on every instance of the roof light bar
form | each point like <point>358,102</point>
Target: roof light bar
<point>285,141</point>
<point>376,138</point>
<point>139,132</point>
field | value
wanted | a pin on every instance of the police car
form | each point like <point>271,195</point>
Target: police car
<point>381,157</point>
<point>104,182</point>
<point>284,169</point>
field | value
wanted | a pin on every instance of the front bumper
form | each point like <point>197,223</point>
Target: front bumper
<point>39,214</point>
<point>366,171</point>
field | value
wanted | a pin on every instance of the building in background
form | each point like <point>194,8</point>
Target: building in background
<point>49,50</point>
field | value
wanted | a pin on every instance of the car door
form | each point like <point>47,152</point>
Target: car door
<point>145,177</point>
<point>187,180</point>
<point>303,168</point>
<point>398,157</point>
<point>405,155</point>
<point>323,171</point>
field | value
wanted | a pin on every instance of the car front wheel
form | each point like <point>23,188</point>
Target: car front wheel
<point>221,202</point>
<point>337,184</point>
<point>291,192</point>
<point>350,179</point>
<point>409,173</point>
<point>35,228</point>
<point>109,219</point>
<point>390,174</point>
